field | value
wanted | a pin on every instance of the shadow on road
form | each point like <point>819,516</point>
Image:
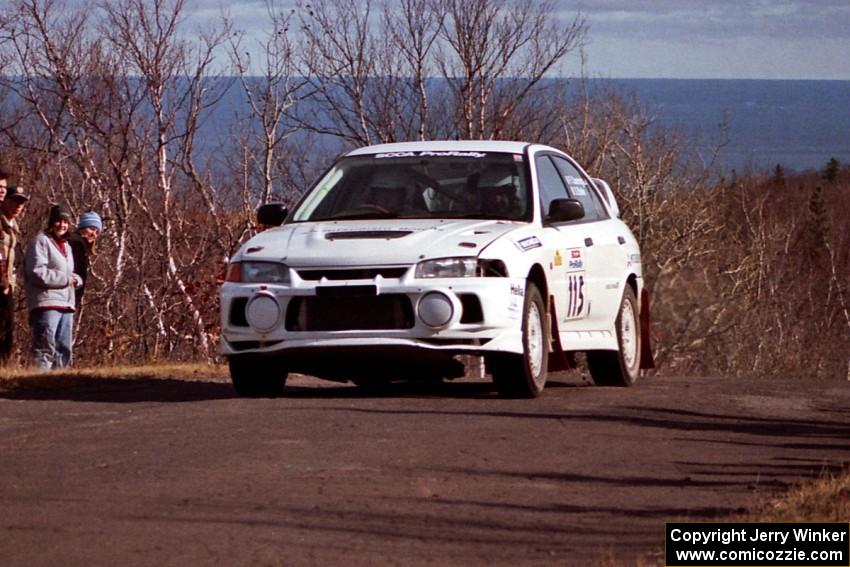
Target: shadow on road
<point>465,389</point>
<point>93,389</point>
<point>81,389</point>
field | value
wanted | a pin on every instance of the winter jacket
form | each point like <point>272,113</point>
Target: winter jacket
<point>80,250</point>
<point>47,273</point>
<point>9,234</point>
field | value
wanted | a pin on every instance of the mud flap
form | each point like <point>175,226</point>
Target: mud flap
<point>558,359</point>
<point>646,359</point>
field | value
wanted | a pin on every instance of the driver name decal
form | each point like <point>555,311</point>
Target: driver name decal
<point>430,154</point>
<point>528,243</point>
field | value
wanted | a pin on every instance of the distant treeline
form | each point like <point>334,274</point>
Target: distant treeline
<point>104,108</point>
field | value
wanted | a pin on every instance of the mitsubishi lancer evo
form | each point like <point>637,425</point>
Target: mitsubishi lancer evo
<point>404,256</point>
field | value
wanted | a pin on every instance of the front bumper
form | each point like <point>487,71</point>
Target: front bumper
<point>461,315</point>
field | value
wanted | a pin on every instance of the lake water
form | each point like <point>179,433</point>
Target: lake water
<point>799,124</point>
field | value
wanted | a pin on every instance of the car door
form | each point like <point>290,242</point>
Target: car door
<point>604,253</point>
<point>570,276</point>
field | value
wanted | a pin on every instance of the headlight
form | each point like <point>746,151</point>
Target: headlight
<point>448,268</point>
<point>258,272</point>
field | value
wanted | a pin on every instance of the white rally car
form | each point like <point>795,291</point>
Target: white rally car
<point>403,256</point>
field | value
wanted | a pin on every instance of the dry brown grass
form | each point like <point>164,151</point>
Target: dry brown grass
<point>824,500</point>
<point>17,378</point>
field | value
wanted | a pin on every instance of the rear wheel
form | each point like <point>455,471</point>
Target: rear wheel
<point>257,376</point>
<point>524,375</point>
<point>620,367</point>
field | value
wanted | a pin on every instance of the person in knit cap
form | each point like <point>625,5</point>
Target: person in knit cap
<point>50,282</point>
<point>83,245</point>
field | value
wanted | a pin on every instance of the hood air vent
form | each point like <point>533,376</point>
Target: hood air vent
<point>367,234</point>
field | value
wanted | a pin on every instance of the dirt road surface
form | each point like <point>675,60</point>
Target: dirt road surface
<point>177,472</point>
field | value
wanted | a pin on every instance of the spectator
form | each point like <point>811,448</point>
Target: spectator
<point>11,207</point>
<point>4,182</point>
<point>82,246</point>
<point>50,283</point>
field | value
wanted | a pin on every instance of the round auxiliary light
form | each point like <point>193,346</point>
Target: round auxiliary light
<point>262,312</point>
<point>435,309</point>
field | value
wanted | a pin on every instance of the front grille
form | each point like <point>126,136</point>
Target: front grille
<point>472,312</point>
<point>352,274</point>
<point>237,312</point>
<point>330,313</point>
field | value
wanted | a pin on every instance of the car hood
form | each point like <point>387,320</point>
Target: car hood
<point>373,242</point>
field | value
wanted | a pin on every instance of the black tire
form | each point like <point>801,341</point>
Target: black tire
<point>620,367</point>
<point>257,376</point>
<point>524,375</point>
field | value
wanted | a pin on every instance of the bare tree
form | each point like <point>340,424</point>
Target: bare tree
<point>494,55</point>
<point>170,76</point>
<point>270,96</point>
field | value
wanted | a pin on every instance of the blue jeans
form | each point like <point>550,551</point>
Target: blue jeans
<point>52,337</point>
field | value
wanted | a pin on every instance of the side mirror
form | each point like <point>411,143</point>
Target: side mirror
<point>608,195</point>
<point>272,214</point>
<point>564,210</point>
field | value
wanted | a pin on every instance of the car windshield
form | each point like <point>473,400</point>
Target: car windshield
<point>421,185</point>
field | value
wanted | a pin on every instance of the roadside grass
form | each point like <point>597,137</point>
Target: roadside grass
<point>826,499</point>
<point>25,378</point>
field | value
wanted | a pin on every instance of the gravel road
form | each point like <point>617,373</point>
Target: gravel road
<point>181,472</point>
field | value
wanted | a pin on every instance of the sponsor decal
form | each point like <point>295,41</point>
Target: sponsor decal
<point>528,243</point>
<point>576,264</point>
<point>577,185</point>
<point>514,307</point>
<point>634,258</point>
<point>575,253</point>
<point>430,154</point>
<point>516,300</point>
<point>559,261</point>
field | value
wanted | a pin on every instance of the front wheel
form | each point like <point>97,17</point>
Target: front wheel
<point>524,375</point>
<point>257,376</point>
<point>619,367</point>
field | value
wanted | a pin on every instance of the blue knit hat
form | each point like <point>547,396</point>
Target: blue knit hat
<point>90,219</point>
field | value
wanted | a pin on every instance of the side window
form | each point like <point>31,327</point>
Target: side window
<point>581,189</point>
<point>549,180</point>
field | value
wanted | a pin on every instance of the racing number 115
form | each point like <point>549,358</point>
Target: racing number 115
<point>575,307</point>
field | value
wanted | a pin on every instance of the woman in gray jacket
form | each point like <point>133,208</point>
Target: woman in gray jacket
<point>50,283</point>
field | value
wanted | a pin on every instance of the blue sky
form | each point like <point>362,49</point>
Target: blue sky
<point>727,39</point>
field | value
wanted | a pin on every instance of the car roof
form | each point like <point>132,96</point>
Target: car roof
<point>447,145</point>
